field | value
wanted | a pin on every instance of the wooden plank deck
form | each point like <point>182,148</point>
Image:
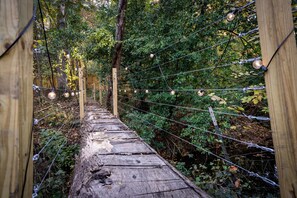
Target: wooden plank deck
<point>115,162</point>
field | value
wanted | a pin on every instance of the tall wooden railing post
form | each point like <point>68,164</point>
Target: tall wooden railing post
<point>94,91</point>
<point>100,91</point>
<point>85,90</point>
<point>275,24</point>
<point>115,91</point>
<point>16,99</point>
<point>81,94</point>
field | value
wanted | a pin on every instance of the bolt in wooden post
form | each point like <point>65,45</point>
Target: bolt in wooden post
<point>115,91</point>
<point>81,94</point>
<point>275,23</point>
<point>16,99</point>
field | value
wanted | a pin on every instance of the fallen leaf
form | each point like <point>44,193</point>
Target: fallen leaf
<point>237,183</point>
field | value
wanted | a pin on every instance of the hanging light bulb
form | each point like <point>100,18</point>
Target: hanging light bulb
<point>257,64</point>
<point>172,92</point>
<point>66,95</point>
<point>146,91</point>
<point>230,16</point>
<point>135,91</point>
<point>36,121</point>
<point>125,90</point>
<point>76,93</point>
<point>126,68</point>
<point>51,95</point>
<point>201,92</point>
<point>72,94</point>
<point>152,55</point>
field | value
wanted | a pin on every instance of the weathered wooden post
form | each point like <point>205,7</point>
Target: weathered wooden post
<point>94,91</point>
<point>81,94</point>
<point>115,91</point>
<point>85,90</point>
<point>275,24</point>
<point>16,98</point>
<point>100,91</point>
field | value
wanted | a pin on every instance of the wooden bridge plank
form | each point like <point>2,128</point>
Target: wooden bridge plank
<point>135,160</point>
<point>113,136</point>
<point>139,189</point>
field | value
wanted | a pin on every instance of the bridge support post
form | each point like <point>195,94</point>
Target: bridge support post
<point>115,91</point>
<point>94,91</point>
<point>16,99</point>
<point>275,24</point>
<point>85,90</point>
<point>100,91</point>
<point>81,94</point>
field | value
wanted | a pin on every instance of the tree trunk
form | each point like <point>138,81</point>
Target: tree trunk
<point>62,77</point>
<point>116,61</point>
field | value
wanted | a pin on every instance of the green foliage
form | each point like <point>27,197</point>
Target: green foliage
<point>56,184</point>
<point>190,59</point>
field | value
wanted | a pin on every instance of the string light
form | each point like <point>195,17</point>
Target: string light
<point>126,68</point>
<point>76,93</point>
<point>125,90</point>
<point>152,55</point>
<point>52,95</point>
<point>201,92</point>
<point>230,16</point>
<point>72,93</point>
<point>147,91</point>
<point>135,91</point>
<point>66,95</point>
<point>258,64</point>
<point>172,92</point>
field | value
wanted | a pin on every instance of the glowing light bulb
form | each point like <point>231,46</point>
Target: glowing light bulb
<point>172,92</point>
<point>76,93</point>
<point>135,91</point>
<point>125,90</point>
<point>126,68</point>
<point>200,93</point>
<point>257,64</point>
<point>36,121</point>
<point>146,91</point>
<point>72,94</point>
<point>51,95</point>
<point>66,95</point>
<point>152,55</point>
<point>67,56</point>
<point>230,16</point>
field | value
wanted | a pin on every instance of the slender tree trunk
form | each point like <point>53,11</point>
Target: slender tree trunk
<point>116,61</point>
<point>62,77</point>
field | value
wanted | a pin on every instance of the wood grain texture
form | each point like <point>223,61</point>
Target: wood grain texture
<point>275,23</point>
<point>16,98</point>
<point>118,163</point>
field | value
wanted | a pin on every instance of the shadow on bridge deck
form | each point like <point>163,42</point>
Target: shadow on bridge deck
<point>115,162</point>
